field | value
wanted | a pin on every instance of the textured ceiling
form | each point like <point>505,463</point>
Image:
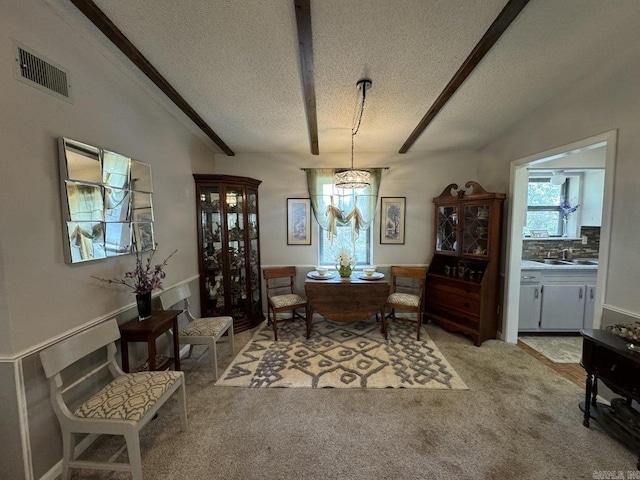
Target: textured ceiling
<point>237,63</point>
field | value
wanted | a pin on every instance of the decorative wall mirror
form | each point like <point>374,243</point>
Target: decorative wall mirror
<point>107,203</point>
<point>141,177</point>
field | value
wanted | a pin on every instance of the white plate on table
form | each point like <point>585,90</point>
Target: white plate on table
<point>326,276</point>
<point>374,276</point>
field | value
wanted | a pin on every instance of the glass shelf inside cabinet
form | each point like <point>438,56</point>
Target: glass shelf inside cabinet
<point>447,228</point>
<point>475,236</point>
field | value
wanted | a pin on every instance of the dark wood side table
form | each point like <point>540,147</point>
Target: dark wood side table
<point>161,321</point>
<point>605,357</point>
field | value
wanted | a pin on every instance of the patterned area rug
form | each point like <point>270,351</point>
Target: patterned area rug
<point>556,349</point>
<point>341,355</point>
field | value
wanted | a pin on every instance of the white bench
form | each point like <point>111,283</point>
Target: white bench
<point>121,406</point>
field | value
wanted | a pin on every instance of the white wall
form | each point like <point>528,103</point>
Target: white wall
<point>417,177</point>
<point>42,296</point>
<point>604,102</point>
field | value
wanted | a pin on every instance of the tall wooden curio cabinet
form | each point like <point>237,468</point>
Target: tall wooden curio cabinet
<point>463,276</point>
<point>229,248</point>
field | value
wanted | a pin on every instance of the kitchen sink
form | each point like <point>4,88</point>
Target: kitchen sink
<point>557,261</point>
<point>554,261</point>
<point>585,262</point>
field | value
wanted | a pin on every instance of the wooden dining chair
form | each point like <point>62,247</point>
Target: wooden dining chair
<point>282,296</point>
<point>407,292</point>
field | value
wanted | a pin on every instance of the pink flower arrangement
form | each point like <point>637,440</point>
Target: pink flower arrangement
<point>145,277</point>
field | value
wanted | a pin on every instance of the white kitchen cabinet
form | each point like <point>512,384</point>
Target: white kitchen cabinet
<point>556,299</point>
<point>562,307</point>
<point>530,304</point>
<point>589,306</point>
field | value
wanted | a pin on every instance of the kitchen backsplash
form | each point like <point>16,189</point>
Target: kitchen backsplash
<point>537,249</point>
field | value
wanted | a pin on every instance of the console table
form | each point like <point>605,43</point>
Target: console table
<point>347,299</point>
<point>161,321</point>
<point>605,357</point>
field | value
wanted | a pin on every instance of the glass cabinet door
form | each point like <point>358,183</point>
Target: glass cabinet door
<point>254,251</point>
<point>211,220</point>
<point>447,229</point>
<point>475,234</point>
<point>236,244</point>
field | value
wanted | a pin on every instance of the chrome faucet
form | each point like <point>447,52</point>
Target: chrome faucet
<point>549,254</point>
<point>565,251</point>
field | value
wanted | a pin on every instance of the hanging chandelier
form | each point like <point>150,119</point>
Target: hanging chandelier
<point>355,178</point>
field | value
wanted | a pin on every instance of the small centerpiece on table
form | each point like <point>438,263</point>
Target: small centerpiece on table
<point>345,264</point>
<point>142,280</point>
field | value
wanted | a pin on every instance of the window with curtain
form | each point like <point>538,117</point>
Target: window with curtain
<point>345,216</point>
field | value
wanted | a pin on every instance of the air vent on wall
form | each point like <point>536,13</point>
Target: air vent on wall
<point>37,71</point>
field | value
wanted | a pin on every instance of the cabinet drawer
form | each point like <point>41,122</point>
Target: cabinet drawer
<point>530,276</point>
<point>460,318</point>
<point>465,289</point>
<point>469,303</point>
<point>619,373</point>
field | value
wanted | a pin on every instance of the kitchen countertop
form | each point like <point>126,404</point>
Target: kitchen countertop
<point>533,265</point>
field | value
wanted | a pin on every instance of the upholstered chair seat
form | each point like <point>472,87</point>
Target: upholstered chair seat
<point>129,396</point>
<point>280,301</point>
<point>207,327</point>
<point>404,299</point>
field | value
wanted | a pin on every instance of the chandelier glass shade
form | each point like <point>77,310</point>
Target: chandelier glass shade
<point>354,179</point>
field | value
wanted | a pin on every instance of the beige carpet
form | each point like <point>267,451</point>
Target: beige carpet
<point>341,355</point>
<point>518,420</point>
<point>556,349</point>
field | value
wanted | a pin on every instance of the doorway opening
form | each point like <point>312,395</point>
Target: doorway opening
<point>518,189</point>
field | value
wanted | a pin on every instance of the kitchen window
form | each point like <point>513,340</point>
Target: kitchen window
<point>543,205</point>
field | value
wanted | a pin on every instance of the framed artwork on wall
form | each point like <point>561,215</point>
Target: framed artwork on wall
<point>298,221</point>
<point>392,215</point>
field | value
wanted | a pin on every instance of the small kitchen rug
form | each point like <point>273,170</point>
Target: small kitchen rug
<point>341,355</point>
<point>556,349</point>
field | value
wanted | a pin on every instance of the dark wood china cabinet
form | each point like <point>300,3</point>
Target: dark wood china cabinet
<point>463,276</point>
<point>229,248</point>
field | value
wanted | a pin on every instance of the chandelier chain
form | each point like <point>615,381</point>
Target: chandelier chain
<point>351,178</point>
<point>354,130</point>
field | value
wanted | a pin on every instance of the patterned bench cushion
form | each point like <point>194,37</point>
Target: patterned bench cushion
<point>129,396</point>
<point>207,327</point>
<point>404,299</point>
<point>280,301</point>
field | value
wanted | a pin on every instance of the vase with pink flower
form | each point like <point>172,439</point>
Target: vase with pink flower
<point>142,280</point>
